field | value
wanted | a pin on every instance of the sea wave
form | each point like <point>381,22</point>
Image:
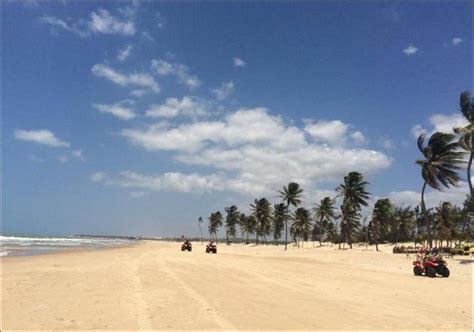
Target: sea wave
<point>26,245</point>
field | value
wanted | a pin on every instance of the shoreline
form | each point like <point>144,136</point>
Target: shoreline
<point>67,251</point>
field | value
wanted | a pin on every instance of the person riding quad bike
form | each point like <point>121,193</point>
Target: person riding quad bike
<point>430,265</point>
<point>211,248</point>
<point>186,246</point>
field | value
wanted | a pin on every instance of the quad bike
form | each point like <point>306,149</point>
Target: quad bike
<point>186,246</point>
<point>211,248</point>
<point>430,266</point>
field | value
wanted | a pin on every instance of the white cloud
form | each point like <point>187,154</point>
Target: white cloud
<point>42,136</point>
<point>78,154</point>
<point>142,80</point>
<point>124,53</point>
<point>78,29</point>
<point>455,195</point>
<point>417,130</point>
<point>358,137</point>
<point>410,50</point>
<point>173,107</point>
<point>250,151</point>
<point>130,11</point>
<point>138,93</point>
<point>238,62</point>
<point>456,41</point>
<point>119,110</point>
<point>333,132</point>
<point>104,22</point>
<point>224,90</point>
<point>440,123</point>
<point>98,177</point>
<point>171,181</point>
<point>99,22</point>
<point>162,67</point>
<point>160,20</point>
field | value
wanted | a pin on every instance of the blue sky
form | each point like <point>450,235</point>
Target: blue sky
<point>137,118</point>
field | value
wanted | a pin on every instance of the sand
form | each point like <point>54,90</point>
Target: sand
<point>154,285</point>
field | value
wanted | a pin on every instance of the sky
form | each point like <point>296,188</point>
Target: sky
<point>137,118</point>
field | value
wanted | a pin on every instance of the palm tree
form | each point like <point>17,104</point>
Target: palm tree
<point>324,212</point>
<point>466,140</point>
<point>354,195</point>
<point>231,221</point>
<point>279,215</point>
<point>302,224</point>
<point>200,221</point>
<point>381,216</point>
<point>445,219</point>
<point>442,160</point>
<point>247,225</point>
<point>291,195</point>
<point>261,209</point>
<point>404,221</point>
<point>349,224</point>
<point>215,222</point>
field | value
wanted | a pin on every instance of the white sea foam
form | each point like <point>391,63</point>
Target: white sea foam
<point>26,245</point>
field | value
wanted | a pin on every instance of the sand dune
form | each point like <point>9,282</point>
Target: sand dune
<point>156,286</point>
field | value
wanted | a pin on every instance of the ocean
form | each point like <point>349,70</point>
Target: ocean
<point>15,245</point>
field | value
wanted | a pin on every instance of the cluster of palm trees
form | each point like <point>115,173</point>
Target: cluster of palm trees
<point>266,221</point>
<point>444,156</point>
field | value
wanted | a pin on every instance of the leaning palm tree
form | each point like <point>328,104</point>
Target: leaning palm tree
<point>439,168</point>
<point>381,217</point>
<point>301,224</point>
<point>324,212</point>
<point>466,140</point>
<point>354,197</point>
<point>291,195</point>
<point>215,222</point>
<point>279,214</point>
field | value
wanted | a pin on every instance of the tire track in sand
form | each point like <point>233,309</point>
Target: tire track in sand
<point>201,300</point>
<point>143,310</point>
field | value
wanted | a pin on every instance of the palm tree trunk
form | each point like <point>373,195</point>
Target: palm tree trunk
<point>469,174</point>
<point>286,225</point>
<point>425,216</point>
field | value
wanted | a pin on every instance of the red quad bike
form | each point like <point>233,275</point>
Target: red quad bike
<point>211,248</point>
<point>186,246</point>
<point>431,266</point>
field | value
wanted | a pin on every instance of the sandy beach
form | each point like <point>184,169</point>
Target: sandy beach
<point>154,285</point>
